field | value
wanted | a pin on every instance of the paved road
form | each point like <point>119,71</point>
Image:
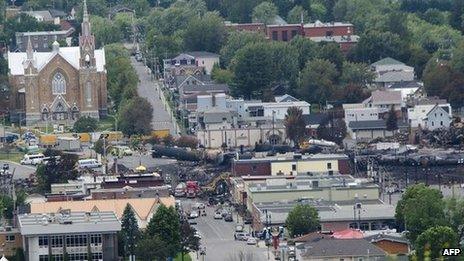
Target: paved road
<point>218,238</point>
<point>151,91</point>
<point>20,171</point>
<point>134,161</point>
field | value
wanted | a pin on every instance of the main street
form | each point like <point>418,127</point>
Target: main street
<point>218,238</point>
<point>147,88</point>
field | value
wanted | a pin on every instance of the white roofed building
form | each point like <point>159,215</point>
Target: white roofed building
<point>61,85</point>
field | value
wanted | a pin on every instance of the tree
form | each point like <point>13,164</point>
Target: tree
<point>294,15</point>
<point>187,142</point>
<point>105,31</point>
<point>85,124</point>
<point>356,73</point>
<point>236,40</point>
<point>205,34</point>
<point>454,215</point>
<point>431,242</point>
<point>165,225</point>
<point>419,209</point>
<point>188,242</point>
<point>254,58</point>
<point>317,81</point>
<point>295,126</point>
<point>306,50</point>
<point>129,231</point>
<point>238,11</point>
<point>373,46</point>
<point>135,117</point>
<point>152,248</point>
<point>57,170</point>
<point>265,13</point>
<point>222,75</point>
<point>302,219</point>
<point>392,120</point>
<point>332,130</point>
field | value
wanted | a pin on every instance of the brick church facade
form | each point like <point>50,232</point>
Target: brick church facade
<point>59,86</point>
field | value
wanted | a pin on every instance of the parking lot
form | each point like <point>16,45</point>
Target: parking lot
<point>218,237</point>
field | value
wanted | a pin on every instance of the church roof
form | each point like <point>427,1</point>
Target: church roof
<point>70,54</point>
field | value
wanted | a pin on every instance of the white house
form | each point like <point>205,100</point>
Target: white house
<point>430,116</point>
<point>407,88</point>
<point>384,100</point>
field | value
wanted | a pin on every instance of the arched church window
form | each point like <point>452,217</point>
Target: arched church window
<point>58,84</point>
<point>88,94</point>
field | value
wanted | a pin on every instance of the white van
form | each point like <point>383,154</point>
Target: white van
<point>32,159</point>
<point>88,164</point>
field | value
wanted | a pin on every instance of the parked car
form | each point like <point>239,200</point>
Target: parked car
<point>194,214</point>
<point>238,228</point>
<point>248,221</point>
<point>251,241</point>
<point>32,159</point>
<point>217,215</point>
<point>228,218</point>
<point>241,236</point>
<point>192,221</point>
<point>199,205</point>
<point>197,234</point>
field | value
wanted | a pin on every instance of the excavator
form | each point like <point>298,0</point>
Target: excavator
<point>218,185</point>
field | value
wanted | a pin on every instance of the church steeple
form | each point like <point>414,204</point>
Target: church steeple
<point>85,21</point>
<point>29,50</point>
<point>86,41</point>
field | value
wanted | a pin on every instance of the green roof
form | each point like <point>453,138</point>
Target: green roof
<point>387,61</point>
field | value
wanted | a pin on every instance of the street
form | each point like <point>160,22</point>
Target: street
<point>218,238</point>
<point>150,90</point>
<point>147,161</point>
<point>20,171</point>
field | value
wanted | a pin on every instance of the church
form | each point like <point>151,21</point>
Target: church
<point>59,86</point>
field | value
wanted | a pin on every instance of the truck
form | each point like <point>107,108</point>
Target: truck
<point>192,189</point>
<point>180,190</point>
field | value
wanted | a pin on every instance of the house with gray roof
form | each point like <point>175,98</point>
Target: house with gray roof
<point>373,129</point>
<point>340,249</point>
<point>190,63</point>
<point>390,71</point>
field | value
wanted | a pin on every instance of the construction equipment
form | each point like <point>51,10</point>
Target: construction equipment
<point>218,185</point>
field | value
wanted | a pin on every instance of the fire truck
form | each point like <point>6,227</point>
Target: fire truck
<point>192,189</point>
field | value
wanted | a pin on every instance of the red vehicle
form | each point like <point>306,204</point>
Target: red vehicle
<point>192,189</point>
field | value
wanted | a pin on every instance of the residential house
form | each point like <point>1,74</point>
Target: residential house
<point>190,63</point>
<point>340,249</point>
<point>384,100</point>
<point>390,71</point>
<point>372,129</point>
<point>407,88</point>
<point>430,117</point>
<point>42,41</point>
<point>144,208</point>
<point>50,16</point>
<point>392,244</point>
<point>68,235</point>
<point>177,81</point>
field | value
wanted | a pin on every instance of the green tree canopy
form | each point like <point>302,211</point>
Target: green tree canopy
<point>302,219</point>
<point>205,34</point>
<point>85,124</point>
<point>419,209</point>
<point>57,170</point>
<point>265,12</point>
<point>237,40</point>
<point>165,225</point>
<point>306,50</point>
<point>317,82</point>
<point>392,120</point>
<point>105,31</point>
<point>357,74</point>
<point>188,241</point>
<point>294,15</point>
<point>430,243</point>
<point>129,231</point>
<point>135,117</point>
<point>295,126</point>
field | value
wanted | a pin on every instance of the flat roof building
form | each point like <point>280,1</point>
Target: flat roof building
<point>71,234</point>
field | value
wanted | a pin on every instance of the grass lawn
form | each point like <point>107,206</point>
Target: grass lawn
<point>15,156</point>
<point>186,257</point>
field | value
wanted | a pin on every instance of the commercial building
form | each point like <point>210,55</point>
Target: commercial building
<point>76,235</point>
<point>144,208</point>
<point>292,164</point>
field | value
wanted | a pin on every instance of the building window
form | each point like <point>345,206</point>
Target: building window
<point>56,241</point>
<point>96,239</point>
<point>433,123</point>
<point>284,36</point>
<point>43,241</point>
<point>58,257</point>
<point>441,123</point>
<point>294,33</point>
<point>253,168</point>
<point>77,256</point>
<point>329,165</point>
<point>58,84</point>
<point>275,35</point>
<point>293,167</point>
<point>97,256</point>
<point>43,257</point>
<point>10,238</point>
<point>76,240</point>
